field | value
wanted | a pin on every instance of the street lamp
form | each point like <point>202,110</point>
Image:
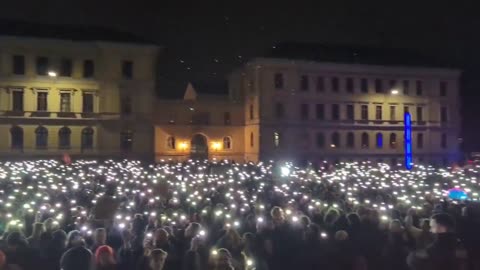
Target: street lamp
<point>52,74</point>
<point>394,92</point>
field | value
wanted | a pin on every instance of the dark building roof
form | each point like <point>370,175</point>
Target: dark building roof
<point>67,32</point>
<point>355,55</point>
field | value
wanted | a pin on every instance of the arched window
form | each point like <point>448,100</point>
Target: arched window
<point>251,139</point>
<point>365,140</point>
<point>41,137</point>
<point>320,140</point>
<point>227,143</point>
<point>393,140</point>
<point>171,142</point>
<point>350,140</point>
<point>64,138</point>
<point>276,139</point>
<point>335,140</point>
<point>16,134</point>
<point>87,138</point>
<point>126,140</point>
<point>379,140</point>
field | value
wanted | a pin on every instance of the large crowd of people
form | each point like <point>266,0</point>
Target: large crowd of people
<point>202,215</point>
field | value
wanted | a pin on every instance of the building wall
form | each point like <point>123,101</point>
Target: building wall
<point>107,85</point>
<point>298,134</point>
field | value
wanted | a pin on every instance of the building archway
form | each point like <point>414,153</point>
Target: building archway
<point>199,147</point>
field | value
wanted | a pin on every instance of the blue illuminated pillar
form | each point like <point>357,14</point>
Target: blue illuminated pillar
<point>408,140</point>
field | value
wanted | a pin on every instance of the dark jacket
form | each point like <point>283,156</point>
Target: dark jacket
<point>77,258</point>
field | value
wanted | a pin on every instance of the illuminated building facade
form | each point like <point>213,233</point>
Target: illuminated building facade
<point>335,109</point>
<point>88,95</point>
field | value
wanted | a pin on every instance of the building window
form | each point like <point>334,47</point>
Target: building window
<point>419,114</point>
<point>276,139</point>
<point>226,118</point>
<point>378,86</point>
<point>364,85</point>
<point>304,111</point>
<point>64,138</point>
<point>304,83</point>
<point>320,84</point>
<point>17,102</point>
<point>393,140</point>
<point>392,113</point>
<point>66,67</point>
<point>406,110</point>
<point>320,111</point>
<point>350,140</point>
<point>278,80</point>
<point>406,87</point>
<point>126,140</point>
<point>171,143</point>
<point>65,101</point>
<point>444,141</point>
<point>201,118</point>
<point>42,65</point>
<point>251,139</point>
<point>419,86</point>
<point>378,112</point>
<point>127,69</point>
<point>379,140</point>
<point>443,89</point>
<point>16,134</point>
<point>18,65</point>
<point>350,85</point>
<point>227,143</point>
<point>364,112</point>
<point>279,110</point>
<point>320,140</point>
<point>365,140</point>
<point>420,140</point>
<point>350,112</point>
<point>443,114</point>
<point>41,137</point>
<point>251,112</point>
<point>335,112</point>
<point>335,140</point>
<point>393,83</point>
<point>87,138</point>
<point>88,69</point>
<point>42,101</point>
<point>335,84</point>
<point>87,103</point>
<point>126,105</point>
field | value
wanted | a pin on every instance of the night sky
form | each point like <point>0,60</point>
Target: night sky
<point>206,39</point>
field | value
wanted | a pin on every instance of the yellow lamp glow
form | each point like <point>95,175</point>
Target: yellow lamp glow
<point>216,145</point>
<point>183,146</point>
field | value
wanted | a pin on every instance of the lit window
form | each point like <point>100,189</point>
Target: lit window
<point>379,138</point>
<point>65,99</point>
<point>227,143</point>
<point>276,139</point>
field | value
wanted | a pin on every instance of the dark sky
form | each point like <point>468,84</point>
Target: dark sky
<point>206,39</point>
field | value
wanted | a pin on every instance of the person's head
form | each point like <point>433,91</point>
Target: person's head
<point>331,216</point>
<point>442,223</point>
<point>37,229</point>
<point>16,240</point>
<point>161,237</point>
<point>192,229</point>
<point>75,239</point>
<point>3,260</point>
<point>341,235</point>
<point>305,221</point>
<point>353,219</point>
<point>59,238</point>
<point>100,236</point>
<point>157,259</point>
<point>223,258</point>
<point>110,190</point>
<point>395,226</point>
<point>277,215</point>
<point>104,255</point>
<point>51,225</point>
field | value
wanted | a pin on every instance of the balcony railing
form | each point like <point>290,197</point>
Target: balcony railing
<point>57,115</point>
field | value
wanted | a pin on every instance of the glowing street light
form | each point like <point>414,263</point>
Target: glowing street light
<point>394,92</point>
<point>52,74</point>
